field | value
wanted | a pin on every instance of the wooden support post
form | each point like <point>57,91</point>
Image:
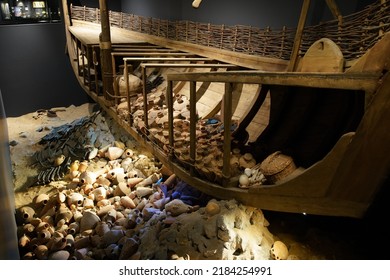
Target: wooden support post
<point>169,99</point>
<point>105,52</point>
<point>334,8</point>
<point>126,77</point>
<point>283,42</point>
<point>298,36</point>
<point>145,96</point>
<point>227,120</point>
<point>95,64</point>
<point>193,121</point>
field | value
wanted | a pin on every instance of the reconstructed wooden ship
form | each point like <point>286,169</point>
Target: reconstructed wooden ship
<point>306,109</point>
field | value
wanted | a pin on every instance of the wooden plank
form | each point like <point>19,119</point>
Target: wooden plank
<point>167,59</point>
<point>334,8</point>
<point>323,56</point>
<point>193,124</point>
<point>89,34</point>
<point>161,54</point>
<point>240,59</point>
<point>367,154</point>
<point>156,50</point>
<point>227,120</point>
<point>298,36</point>
<point>188,65</point>
<point>355,81</point>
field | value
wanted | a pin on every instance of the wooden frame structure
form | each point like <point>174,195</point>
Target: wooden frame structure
<point>329,186</point>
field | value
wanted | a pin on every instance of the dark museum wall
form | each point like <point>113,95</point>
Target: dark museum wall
<point>35,72</point>
<point>259,13</point>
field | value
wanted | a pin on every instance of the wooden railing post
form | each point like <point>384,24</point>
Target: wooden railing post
<point>169,99</point>
<point>227,121</point>
<point>193,123</point>
<point>145,96</point>
<point>298,36</point>
<point>283,42</point>
<point>126,76</point>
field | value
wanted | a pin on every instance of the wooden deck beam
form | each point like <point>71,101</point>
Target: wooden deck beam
<point>188,65</point>
<point>365,82</point>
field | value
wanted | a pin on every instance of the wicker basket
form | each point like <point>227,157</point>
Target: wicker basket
<point>277,166</point>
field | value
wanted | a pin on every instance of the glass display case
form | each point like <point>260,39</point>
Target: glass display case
<point>29,11</point>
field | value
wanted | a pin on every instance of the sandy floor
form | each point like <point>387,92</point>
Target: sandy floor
<point>24,134</point>
<point>310,237</point>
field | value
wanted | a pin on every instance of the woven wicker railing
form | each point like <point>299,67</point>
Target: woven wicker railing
<point>354,33</point>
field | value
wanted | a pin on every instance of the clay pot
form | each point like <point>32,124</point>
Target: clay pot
<point>59,255</point>
<point>61,197</point>
<point>42,226</point>
<point>114,153</point>
<point>24,240</point>
<point>243,181</point>
<point>131,182</point>
<point>101,180</point>
<point>113,173</point>
<point>83,166</point>
<point>82,242</point>
<point>112,251</point>
<point>279,251</point>
<point>110,217</point>
<point>122,189</point>
<point>160,204</point>
<point>76,199</point>
<point>51,211</point>
<point>150,180</point>
<point>58,160</point>
<point>103,202</point>
<point>44,236</point>
<point>112,236</point>
<point>87,188</point>
<point>127,202</point>
<point>129,248</point>
<point>88,221</point>
<point>28,229</point>
<point>35,221</point>
<point>120,177</point>
<point>81,253</point>
<point>77,215</point>
<point>69,241</point>
<point>212,208</point>
<point>177,207</point>
<point>104,210</point>
<point>63,213</point>
<point>101,228</point>
<point>88,177</point>
<point>247,161</point>
<point>121,222</point>
<point>128,153</point>
<point>74,166</point>
<point>100,193</point>
<point>126,163</point>
<point>41,252</point>
<point>58,243</point>
<point>120,145</point>
<point>41,200</point>
<point>143,191</point>
<point>27,213</point>
<point>74,228</point>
